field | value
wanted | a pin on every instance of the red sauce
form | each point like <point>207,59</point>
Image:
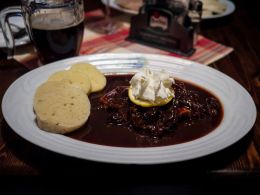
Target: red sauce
<point>98,130</point>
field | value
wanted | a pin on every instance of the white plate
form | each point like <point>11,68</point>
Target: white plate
<point>16,20</point>
<point>239,110</point>
<point>230,9</point>
<point>114,5</point>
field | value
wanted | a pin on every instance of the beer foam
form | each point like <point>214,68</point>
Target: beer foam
<point>54,20</point>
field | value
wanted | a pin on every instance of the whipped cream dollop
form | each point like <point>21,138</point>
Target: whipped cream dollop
<point>152,86</point>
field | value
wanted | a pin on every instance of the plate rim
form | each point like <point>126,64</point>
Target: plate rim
<point>130,151</point>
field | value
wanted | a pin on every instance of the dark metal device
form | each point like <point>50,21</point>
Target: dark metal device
<point>166,24</point>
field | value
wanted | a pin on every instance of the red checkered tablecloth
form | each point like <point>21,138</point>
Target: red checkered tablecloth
<point>207,51</point>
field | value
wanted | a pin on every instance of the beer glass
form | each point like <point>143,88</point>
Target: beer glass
<point>54,26</point>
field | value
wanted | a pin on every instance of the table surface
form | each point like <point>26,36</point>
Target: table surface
<point>240,161</point>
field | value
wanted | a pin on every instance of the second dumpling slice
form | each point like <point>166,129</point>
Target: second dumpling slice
<point>75,78</point>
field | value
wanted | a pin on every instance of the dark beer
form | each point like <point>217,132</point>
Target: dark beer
<point>56,38</point>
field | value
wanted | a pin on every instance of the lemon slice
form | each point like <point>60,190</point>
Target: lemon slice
<point>144,103</point>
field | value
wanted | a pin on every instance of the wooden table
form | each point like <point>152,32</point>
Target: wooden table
<point>237,167</point>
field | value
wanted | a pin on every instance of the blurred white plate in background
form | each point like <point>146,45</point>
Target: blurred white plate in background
<point>230,8</point>
<point>16,23</point>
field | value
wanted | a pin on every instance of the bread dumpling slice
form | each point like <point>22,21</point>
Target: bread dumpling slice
<point>74,78</point>
<point>60,107</point>
<point>97,78</point>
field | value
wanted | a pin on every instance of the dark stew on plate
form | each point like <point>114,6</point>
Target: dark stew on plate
<point>116,121</point>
